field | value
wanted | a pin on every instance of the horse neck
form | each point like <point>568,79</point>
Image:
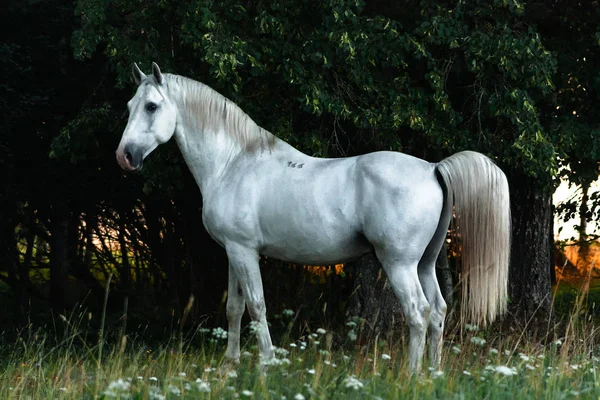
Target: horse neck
<point>207,154</point>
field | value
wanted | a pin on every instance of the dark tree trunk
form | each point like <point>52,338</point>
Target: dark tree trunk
<point>373,298</point>
<point>531,256</point>
<point>584,247</point>
<point>444,276</point>
<point>125,267</point>
<point>9,260</point>
<point>59,261</point>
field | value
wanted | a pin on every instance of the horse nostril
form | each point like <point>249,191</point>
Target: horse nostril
<point>129,157</point>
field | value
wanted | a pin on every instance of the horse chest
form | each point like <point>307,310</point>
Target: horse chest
<point>226,223</point>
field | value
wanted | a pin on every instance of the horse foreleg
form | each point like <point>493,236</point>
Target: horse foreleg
<point>244,263</point>
<point>235,311</point>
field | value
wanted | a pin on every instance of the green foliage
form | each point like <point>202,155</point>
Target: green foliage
<point>461,76</point>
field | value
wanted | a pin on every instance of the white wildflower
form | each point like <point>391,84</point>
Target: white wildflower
<point>203,387</point>
<point>311,371</point>
<point>353,383</point>
<point>293,345</point>
<point>299,396</point>
<point>506,371</point>
<point>247,393</point>
<point>117,388</point>
<point>182,374</point>
<point>386,357</point>
<point>219,333</point>
<point>493,351</point>
<point>529,367</point>
<point>155,394</point>
<point>153,379</point>
<point>467,373</point>
<point>255,326</point>
<point>174,390</point>
<point>456,349</point>
<point>523,357</point>
<point>352,336</point>
<point>437,374</point>
<point>281,352</point>
<point>557,342</point>
<point>232,374</point>
<point>507,352</point>
<point>63,389</point>
<point>287,312</point>
<point>321,331</point>
<point>478,341</point>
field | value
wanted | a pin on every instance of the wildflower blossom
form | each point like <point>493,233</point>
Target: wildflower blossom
<point>117,388</point>
<point>353,383</point>
<point>232,374</point>
<point>153,379</point>
<point>506,371</point>
<point>478,341</point>
<point>203,387</point>
<point>287,312</point>
<point>456,349</point>
<point>523,357</point>
<point>182,374</point>
<point>219,333</point>
<point>352,336</point>
<point>255,326</point>
<point>311,371</point>
<point>467,373</point>
<point>247,393</point>
<point>281,352</point>
<point>437,374</point>
<point>174,390</point>
<point>386,357</point>
<point>299,396</point>
<point>293,345</point>
<point>321,331</point>
<point>155,394</point>
<point>493,352</point>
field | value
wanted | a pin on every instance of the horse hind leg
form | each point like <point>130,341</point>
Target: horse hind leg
<point>437,316</point>
<point>405,283</point>
<point>431,287</point>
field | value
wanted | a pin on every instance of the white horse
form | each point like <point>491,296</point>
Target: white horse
<point>263,197</point>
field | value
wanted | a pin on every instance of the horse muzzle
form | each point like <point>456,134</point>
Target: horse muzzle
<point>130,158</point>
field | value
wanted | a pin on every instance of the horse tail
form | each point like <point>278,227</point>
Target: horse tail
<point>479,190</point>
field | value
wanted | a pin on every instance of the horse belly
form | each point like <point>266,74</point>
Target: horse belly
<point>317,247</point>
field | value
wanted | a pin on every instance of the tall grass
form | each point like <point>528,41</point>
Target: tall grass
<point>318,364</point>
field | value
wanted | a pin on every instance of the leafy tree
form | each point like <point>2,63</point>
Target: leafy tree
<point>344,77</point>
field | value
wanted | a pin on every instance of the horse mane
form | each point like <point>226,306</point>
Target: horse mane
<point>206,110</point>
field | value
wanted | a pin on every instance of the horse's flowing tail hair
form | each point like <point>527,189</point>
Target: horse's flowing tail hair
<point>479,190</point>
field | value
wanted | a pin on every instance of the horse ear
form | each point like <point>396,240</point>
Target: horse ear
<point>157,74</point>
<point>138,75</point>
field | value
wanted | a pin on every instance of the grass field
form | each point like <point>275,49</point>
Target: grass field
<point>476,364</point>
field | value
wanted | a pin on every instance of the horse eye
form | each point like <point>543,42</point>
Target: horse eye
<point>151,107</point>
